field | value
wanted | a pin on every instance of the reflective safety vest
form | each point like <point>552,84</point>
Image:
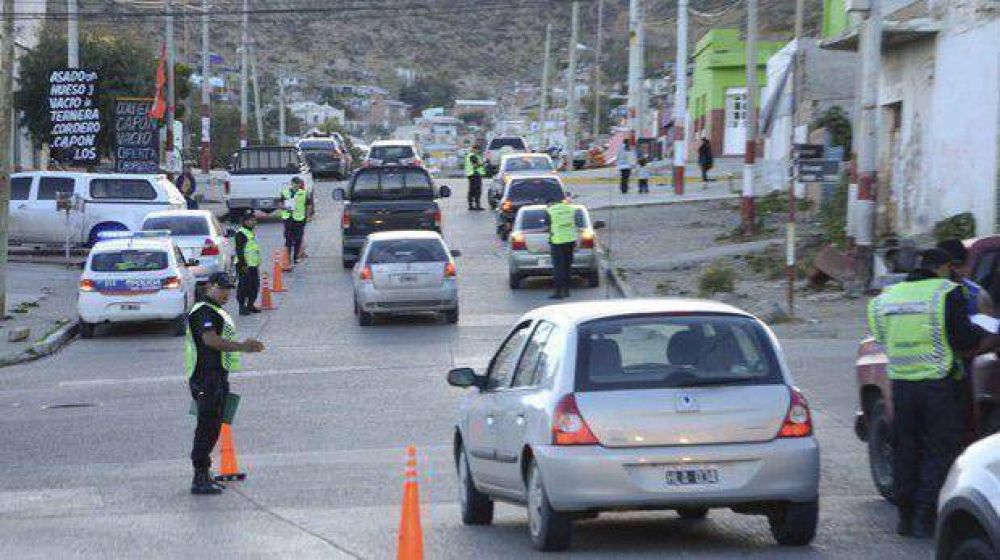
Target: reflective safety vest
<point>230,360</point>
<point>471,167</point>
<point>908,321</point>
<point>298,199</point>
<point>562,223</point>
<point>251,251</point>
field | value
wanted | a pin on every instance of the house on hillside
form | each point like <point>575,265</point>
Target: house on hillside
<point>467,106</point>
<point>314,114</point>
<point>940,111</point>
<point>717,107</point>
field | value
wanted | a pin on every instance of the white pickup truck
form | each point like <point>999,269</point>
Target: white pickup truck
<point>258,174</point>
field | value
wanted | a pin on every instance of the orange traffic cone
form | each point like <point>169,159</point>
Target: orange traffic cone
<point>265,298</point>
<point>411,536</point>
<point>229,468</point>
<point>279,285</point>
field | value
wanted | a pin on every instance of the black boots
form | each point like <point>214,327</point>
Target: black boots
<point>202,484</point>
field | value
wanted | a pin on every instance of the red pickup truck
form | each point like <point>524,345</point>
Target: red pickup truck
<point>873,423</point>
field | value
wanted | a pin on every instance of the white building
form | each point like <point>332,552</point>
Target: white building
<point>315,114</point>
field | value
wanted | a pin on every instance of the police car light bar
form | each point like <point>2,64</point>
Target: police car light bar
<point>154,233</point>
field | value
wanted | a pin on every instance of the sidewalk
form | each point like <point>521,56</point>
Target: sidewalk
<point>724,170</point>
<point>41,299</point>
<point>606,193</point>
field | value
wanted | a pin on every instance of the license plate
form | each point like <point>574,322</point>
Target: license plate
<point>129,307</point>
<point>692,476</point>
<point>143,285</point>
<point>407,278</point>
<point>266,204</point>
<point>544,261</point>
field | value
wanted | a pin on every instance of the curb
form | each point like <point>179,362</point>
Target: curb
<point>619,283</point>
<point>620,206</point>
<point>45,347</point>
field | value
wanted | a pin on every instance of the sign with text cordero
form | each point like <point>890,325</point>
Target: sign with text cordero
<point>75,117</point>
<point>136,136</point>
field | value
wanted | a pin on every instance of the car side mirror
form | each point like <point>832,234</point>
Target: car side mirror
<point>339,194</point>
<point>445,191</point>
<point>464,377</point>
<point>600,224</point>
<point>456,253</point>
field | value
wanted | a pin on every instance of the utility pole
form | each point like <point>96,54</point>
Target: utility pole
<point>72,34</point>
<point>793,90</point>
<point>256,98</point>
<point>871,60</point>
<point>6,147</point>
<point>571,112</point>
<point>635,67</point>
<point>597,69</point>
<point>171,94</point>
<point>544,106</point>
<point>680,97</point>
<point>206,94</point>
<point>244,79</point>
<point>747,201</point>
<point>281,109</point>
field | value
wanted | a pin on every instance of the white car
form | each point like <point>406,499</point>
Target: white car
<point>501,145</point>
<point>200,237</point>
<point>968,519</point>
<point>135,278</point>
<point>393,152</point>
<point>258,175</point>
<point>101,202</point>
<point>514,165</point>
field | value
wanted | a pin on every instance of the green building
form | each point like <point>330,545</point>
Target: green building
<point>717,98</point>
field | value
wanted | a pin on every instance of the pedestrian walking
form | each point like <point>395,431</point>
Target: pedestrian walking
<point>705,159</point>
<point>187,184</point>
<point>626,160</point>
<point>563,234</point>
<point>211,353</point>
<point>248,264</point>
<point>475,170</point>
<point>644,176</point>
<point>925,329</point>
<point>294,199</point>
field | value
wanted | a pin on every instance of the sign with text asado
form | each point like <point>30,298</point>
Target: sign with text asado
<point>136,136</point>
<point>75,117</point>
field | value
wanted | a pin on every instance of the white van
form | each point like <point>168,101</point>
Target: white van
<point>102,202</point>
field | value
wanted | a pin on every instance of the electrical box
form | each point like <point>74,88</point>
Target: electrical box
<point>859,5</point>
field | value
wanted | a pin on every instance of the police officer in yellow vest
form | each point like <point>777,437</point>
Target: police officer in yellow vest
<point>925,330</point>
<point>475,169</point>
<point>211,352</point>
<point>295,200</point>
<point>247,264</point>
<point>563,234</point>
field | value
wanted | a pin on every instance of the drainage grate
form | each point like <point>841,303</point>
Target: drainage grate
<point>70,405</point>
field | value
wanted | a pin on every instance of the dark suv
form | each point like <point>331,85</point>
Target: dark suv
<point>525,191</point>
<point>387,198</point>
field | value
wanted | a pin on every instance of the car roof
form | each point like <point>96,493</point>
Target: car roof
<point>521,155</point>
<point>179,213</point>
<point>543,207</point>
<point>404,234</point>
<point>163,243</point>
<point>533,176</point>
<point>379,143</point>
<point>581,312</point>
<point>83,175</point>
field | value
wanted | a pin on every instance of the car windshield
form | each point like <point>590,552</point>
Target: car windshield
<point>401,251</point>
<point>539,190</point>
<point>318,146</point>
<point>672,351</point>
<point>373,184</point>
<point>528,164</point>
<point>391,153</point>
<point>537,219</point>
<point>129,261</point>
<point>178,225</point>
<point>498,143</point>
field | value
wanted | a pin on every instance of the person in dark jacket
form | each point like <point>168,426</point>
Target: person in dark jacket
<point>187,185</point>
<point>705,160</point>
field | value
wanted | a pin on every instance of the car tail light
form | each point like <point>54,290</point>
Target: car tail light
<point>507,206</point>
<point>210,249</point>
<point>450,271</point>
<point>568,425</point>
<point>171,283</point>
<point>86,285</point>
<point>798,420</point>
<point>587,239</point>
<point>517,242</point>
<point>437,218</point>
<point>366,273</point>
<point>226,187</point>
<point>345,218</point>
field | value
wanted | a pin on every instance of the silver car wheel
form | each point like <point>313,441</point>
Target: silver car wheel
<point>535,498</point>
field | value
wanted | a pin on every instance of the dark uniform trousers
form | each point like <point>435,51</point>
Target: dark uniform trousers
<point>562,263</point>
<point>294,232</point>
<point>929,418</point>
<point>210,395</point>
<point>249,287</point>
<point>475,190</point>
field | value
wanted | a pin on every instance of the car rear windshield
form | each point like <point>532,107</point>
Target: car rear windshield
<point>122,189</point>
<point>178,225</point>
<point>401,251</point>
<point>673,351</point>
<point>540,190</point>
<point>318,146</point>
<point>268,160</point>
<point>527,164</point>
<point>516,143</point>
<point>374,184</point>
<point>391,153</point>
<point>129,261</point>
<point>538,219</point>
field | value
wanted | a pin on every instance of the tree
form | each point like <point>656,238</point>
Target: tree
<point>293,125</point>
<point>427,92</point>
<point>225,132</point>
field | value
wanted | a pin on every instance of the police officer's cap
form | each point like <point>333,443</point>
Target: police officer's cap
<point>221,280</point>
<point>297,180</point>
<point>933,259</point>
<point>955,248</point>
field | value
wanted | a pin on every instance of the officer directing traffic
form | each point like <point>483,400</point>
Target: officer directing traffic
<point>925,330</point>
<point>563,235</point>
<point>475,169</point>
<point>295,200</point>
<point>211,353</point>
<point>247,265</point>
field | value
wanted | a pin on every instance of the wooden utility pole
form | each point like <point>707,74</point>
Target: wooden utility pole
<point>72,34</point>
<point>793,91</point>
<point>597,69</point>
<point>244,78</point>
<point>6,132</point>
<point>206,93</point>
<point>680,97</point>
<point>259,118</point>
<point>747,202</point>
<point>172,163</point>
<point>870,43</point>
<point>571,112</point>
<point>544,105</point>
<point>281,109</point>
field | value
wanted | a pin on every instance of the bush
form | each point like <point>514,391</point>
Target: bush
<point>717,278</point>
<point>959,226</point>
<point>833,215</point>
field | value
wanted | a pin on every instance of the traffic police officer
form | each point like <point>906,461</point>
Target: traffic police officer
<point>475,169</point>
<point>563,235</point>
<point>925,330</point>
<point>295,200</point>
<point>211,352</point>
<point>247,265</point>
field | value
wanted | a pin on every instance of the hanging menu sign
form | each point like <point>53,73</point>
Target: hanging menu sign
<point>74,115</point>
<point>136,136</point>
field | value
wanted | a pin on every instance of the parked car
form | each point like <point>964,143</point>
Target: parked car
<point>501,145</point>
<point>525,191</point>
<point>101,202</point>
<point>405,272</point>
<point>636,405</point>
<point>387,198</point>
<point>257,176</point>
<point>968,520</point>
<point>514,165</point>
<point>393,152</point>
<point>137,277</point>
<point>529,255</point>
<point>199,236</point>
<point>873,422</point>
<point>326,157</point>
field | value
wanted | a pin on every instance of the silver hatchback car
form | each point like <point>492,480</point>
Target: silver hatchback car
<point>528,250</point>
<point>405,272</point>
<point>637,404</point>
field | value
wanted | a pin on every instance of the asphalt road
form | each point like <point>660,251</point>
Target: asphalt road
<point>94,440</point>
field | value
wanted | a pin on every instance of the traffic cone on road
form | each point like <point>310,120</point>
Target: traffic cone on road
<point>411,536</point>
<point>279,285</point>
<point>266,303</point>
<point>229,468</point>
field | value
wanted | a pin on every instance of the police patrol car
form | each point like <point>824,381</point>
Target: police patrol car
<point>132,277</point>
